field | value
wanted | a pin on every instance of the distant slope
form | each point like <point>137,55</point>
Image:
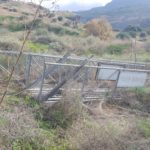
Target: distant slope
<point>121,13</point>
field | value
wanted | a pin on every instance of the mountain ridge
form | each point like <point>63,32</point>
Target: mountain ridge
<point>121,13</point>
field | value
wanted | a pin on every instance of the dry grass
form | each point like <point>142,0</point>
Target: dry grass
<point>16,123</point>
<point>107,132</point>
<point>68,125</point>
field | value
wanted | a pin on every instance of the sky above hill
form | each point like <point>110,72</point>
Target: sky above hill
<point>76,5</point>
<point>72,5</point>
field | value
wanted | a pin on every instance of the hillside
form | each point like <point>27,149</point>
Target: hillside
<point>47,33</point>
<point>85,113</point>
<point>60,32</point>
<point>121,13</point>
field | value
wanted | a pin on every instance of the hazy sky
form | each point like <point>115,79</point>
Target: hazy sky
<point>74,5</point>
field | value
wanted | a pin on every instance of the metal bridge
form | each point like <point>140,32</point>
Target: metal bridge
<point>46,77</point>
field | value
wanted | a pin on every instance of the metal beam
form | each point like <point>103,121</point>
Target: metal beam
<point>65,80</point>
<point>132,63</point>
<point>98,67</point>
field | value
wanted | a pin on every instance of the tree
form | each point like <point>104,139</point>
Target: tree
<point>133,34</point>
<point>131,28</point>
<point>123,35</point>
<point>143,34</point>
<point>100,28</point>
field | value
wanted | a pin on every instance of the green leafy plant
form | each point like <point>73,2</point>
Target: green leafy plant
<point>37,47</point>
<point>116,49</point>
<point>31,102</point>
<point>61,31</point>
<point>123,36</point>
<point>144,126</point>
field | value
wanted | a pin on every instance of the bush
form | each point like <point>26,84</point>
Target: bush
<point>7,43</point>
<point>133,34</point>
<point>6,18</point>
<point>25,13</point>
<point>89,135</point>
<point>144,126</point>
<point>37,47</point>
<point>62,31</point>
<point>100,28</point>
<point>3,61</point>
<point>116,49</point>
<point>62,114</point>
<point>67,24</point>
<point>13,9</point>
<point>23,132</point>
<point>131,28</point>
<point>16,27</point>
<point>38,143</point>
<point>148,32</point>
<point>143,34</point>
<point>41,32</point>
<point>123,36</point>
<point>60,18</point>
<point>43,40</point>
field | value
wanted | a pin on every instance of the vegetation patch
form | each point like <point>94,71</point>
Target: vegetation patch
<point>6,18</point>
<point>14,27</point>
<point>144,126</point>
<point>37,47</point>
<point>13,100</point>
<point>123,35</point>
<point>116,49</point>
<point>62,31</point>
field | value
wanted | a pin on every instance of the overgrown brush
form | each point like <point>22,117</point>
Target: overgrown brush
<point>62,114</point>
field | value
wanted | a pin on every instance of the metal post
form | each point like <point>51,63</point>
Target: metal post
<point>17,69</point>
<point>42,82</point>
<point>114,91</point>
<point>28,69</point>
<point>85,78</point>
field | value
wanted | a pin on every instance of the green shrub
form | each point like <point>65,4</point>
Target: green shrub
<point>36,144</point>
<point>12,100</point>
<point>3,121</point>
<point>144,125</point>
<point>3,61</point>
<point>23,145</point>
<point>37,24</point>
<point>31,102</point>
<point>148,32</point>
<point>133,34</point>
<point>61,31</point>
<point>116,49</point>
<point>41,32</point>
<point>37,47</point>
<point>58,119</point>
<point>43,39</point>
<point>7,43</point>
<point>63,113</point>
<point>131,28</point>
<point>25,13</point>
<point>123,36</point>
<point>60,18</point>
<point>8,18</point>
<point>16,27</point>
<point>143,34</point>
